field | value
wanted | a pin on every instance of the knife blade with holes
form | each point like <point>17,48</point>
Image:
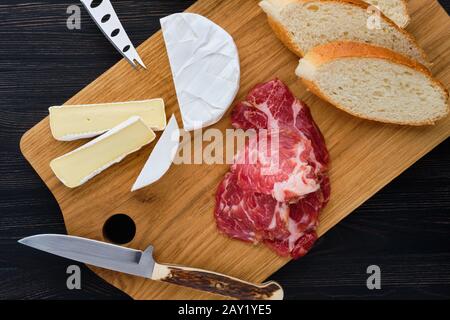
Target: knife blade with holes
<point>104,15</point>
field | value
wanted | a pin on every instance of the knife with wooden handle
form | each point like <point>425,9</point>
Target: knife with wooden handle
<point>142,263</point>
<point>216,283</point>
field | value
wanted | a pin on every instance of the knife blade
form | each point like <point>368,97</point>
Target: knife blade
<point>142,264</point>
<point>105,17</point>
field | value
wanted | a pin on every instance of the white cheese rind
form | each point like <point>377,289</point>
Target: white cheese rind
<point>161,157</point>
<point>74,122</point>
<point>205,65</point>
<point>62,171</point>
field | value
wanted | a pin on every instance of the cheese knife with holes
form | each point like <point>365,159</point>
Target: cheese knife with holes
<point>104,15</point>
<point>142,264</point>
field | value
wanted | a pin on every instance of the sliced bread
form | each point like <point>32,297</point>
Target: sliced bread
<point>304,24</point>
<point>396,10</point>
<point>374,83</point>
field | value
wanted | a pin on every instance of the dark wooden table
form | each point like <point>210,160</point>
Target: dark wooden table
<point>404,229</point>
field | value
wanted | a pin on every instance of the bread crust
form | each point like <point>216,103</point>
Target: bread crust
<point>405,13</point>
<point>288,40</point>
<point>346,49</point>
<point>343,49</point>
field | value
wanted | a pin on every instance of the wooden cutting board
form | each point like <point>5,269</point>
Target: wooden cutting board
<point>176,213</point>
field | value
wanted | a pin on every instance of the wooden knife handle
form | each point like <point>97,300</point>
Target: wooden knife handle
<point>217,283</point>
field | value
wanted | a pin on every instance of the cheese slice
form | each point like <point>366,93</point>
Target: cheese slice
<point>161,157</point>
<point>205,66</point>
<point>69,123</point>
<point>82,164</point>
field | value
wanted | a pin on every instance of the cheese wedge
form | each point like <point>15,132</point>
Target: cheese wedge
<point>77,167</point>
<point>161,157</point>
<point>69,123</point>
<point>205,65</point>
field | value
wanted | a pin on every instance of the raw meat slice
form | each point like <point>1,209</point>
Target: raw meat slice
<point>281,164</point>
<point>303,224</point>
<point>255,217</point>
<point>244,215</point>
<point>272,105</point>
<point>278,205</point>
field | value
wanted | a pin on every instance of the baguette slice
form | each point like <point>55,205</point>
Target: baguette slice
<point>304,24</point>
<point>396,10</point>
<point>374,83</point>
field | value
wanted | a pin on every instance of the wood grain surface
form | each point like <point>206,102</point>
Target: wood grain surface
<point>298,91</point>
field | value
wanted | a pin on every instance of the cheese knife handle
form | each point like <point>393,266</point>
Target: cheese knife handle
<point>216,283</point>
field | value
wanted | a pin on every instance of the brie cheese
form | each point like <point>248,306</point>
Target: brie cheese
<point>205,67</point>
<point>69,123</point>
<point>77,167</point>
<point>161,157</point>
